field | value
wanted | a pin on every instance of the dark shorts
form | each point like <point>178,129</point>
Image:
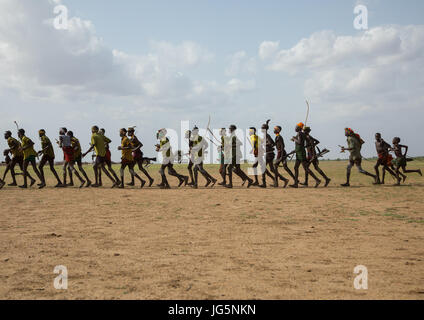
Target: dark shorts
<point>312,158</point>
<point>270,157</point>
<point>30,159</point>
<point>100,160</point>
<point>399,162</point>
<point>47,158</point>
<point>78,160</point>
<point>137,155</point>
<point>126,162</point>
<point>17,160</point>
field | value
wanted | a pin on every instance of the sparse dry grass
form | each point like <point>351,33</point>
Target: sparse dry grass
<point>215,243</point>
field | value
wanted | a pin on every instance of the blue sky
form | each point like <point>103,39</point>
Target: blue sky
<point>156,63</point>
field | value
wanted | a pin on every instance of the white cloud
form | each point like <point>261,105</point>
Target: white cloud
<point>75,64</point>
<point>267,49</point>
<point>240,63</point>
<point>378,70</point>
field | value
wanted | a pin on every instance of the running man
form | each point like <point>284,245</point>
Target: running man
<point>127,159</point>
<point>301,159</point>
<point>76,146</point>
<point>401,159</point>
<point>384,159</point>
<point>164,147</point>
<point>7,161</point>
<point>223,162</point>
<point>48,156</point>
<point>138,156</point>
<point>312,157</point>
<point>259,161</point>
<point>17,158</point>
<point>354,146</point>
<point>27,147</point>
<point>270,154</point>
<point>281,158</point>
<point>108,159</point>
<point>99,146</point>
<point>235,156</point>
<point>65,144</point>
<point>197,155</point>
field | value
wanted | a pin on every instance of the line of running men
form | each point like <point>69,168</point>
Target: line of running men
<point>305,151</point>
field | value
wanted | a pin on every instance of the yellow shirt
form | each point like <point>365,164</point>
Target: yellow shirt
<point>76,146</point>
<point>29,151</point>
<point>98,142</point>
<point>14,146</point>
<point>254,139</point>
<point>126,153</point>
<point>45,143</point>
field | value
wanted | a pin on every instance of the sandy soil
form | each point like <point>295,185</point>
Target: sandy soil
<point>215,243</point>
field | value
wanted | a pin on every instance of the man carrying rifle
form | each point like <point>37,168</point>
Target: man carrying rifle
<point>76,146</point>
<point>301,159</point>
<point>223,157</point>
<point>199,145</point>
<point>281,158</point>
<point>312,156</point>
<point>192,158</point>
<point>127,159</point>
<point>235,157</point>
<point>269,155</point>
<point>138,156</point>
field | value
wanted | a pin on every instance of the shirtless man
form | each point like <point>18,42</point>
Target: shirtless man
<point>76,146</point>
<point>235,157</point>
<point>127,159</point>
<point>138,156</point>
<point>223,163</point>
<point>301,159</point>
<point>401,159</point>
<point>65,144</point>
<point>311,144</point>
<point>384,158</point>
<point>354,146</point>
<point>281,158</point>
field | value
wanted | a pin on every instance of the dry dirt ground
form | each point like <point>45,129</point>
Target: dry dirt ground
<point>215,243</point>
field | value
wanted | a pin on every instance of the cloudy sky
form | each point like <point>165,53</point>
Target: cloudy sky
<point>156,63</point>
